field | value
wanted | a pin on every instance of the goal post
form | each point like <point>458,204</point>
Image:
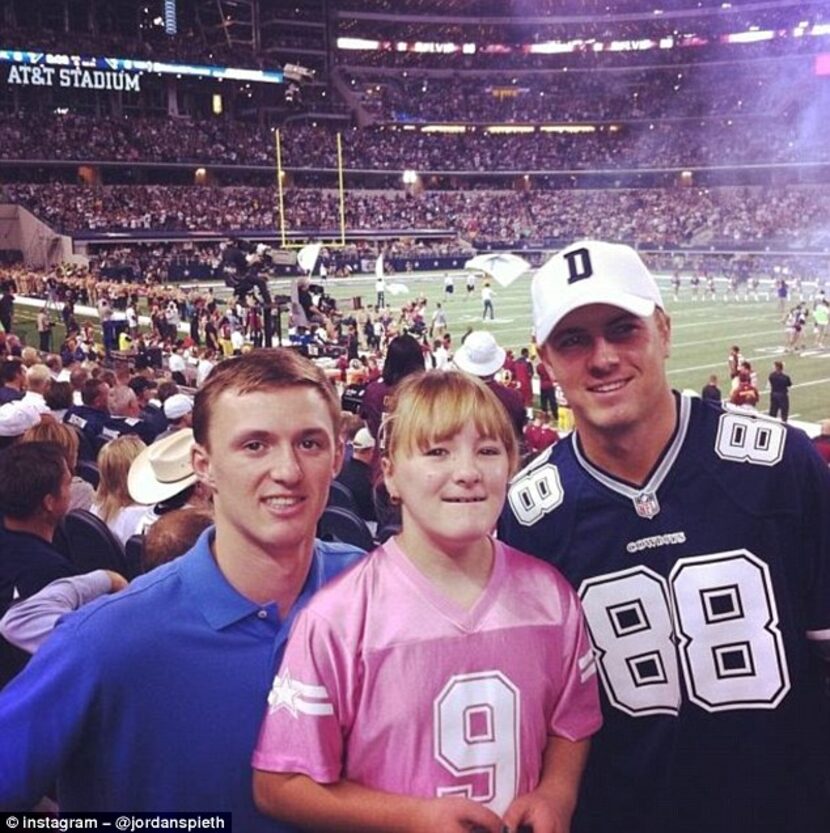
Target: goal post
<point>285,243</point>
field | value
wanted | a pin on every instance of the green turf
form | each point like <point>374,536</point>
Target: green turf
<point>703,332</point>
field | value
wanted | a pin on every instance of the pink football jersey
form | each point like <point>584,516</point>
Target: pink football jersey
<point>389,683</point>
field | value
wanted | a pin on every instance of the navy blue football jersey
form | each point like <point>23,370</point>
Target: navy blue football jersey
<point>703,590</point>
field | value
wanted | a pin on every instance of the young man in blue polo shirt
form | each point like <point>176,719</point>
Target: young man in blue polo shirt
<point>151,699</point>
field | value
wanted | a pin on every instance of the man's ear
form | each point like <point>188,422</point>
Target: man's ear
<point>48,503</point>
<point>200,458</point>
<point>339,455</point>
<point>664,326</point>
<point>544,354</point>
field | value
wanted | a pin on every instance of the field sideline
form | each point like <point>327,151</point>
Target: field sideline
<point>703,331</point>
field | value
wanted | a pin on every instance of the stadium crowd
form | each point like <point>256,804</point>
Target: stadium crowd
<point>688,92</point>
<point>380,148</point>
<point>794,216</point>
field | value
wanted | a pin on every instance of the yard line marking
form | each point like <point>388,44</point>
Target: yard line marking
<point>738,337</point>
<point>810,384</point>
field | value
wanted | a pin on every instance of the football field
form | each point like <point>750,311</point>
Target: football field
<point>702,333</point>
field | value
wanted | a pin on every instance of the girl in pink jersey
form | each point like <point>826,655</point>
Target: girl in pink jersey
<point>445,683</point>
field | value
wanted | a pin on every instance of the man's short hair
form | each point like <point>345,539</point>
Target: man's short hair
<point>120,400</point>
<point>54,362</point>
<point>38,378</point>
<point>167,389</point>
<point>264,369</point>
<point>58,396</point>
<point>10,370</point>
<point>91,390</point>
<point>140,384</point>
<point>172,535</point>
<point>77,377</point>
<point>28,473</point>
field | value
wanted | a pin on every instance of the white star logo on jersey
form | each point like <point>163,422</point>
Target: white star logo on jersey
<point>296,697</point>
<point>283,695</point>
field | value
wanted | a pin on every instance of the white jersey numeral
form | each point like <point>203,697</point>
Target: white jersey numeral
<point>536,493</point>
<point>476,737</point>
<point>717,612</point>
<point>747,439</point>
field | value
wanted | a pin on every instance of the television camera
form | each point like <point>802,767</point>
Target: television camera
<point>246,267</point>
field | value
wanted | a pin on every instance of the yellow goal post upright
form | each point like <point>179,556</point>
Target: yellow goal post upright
<point>285,243</point>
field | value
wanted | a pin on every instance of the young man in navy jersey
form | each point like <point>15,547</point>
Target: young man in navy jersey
<point>699,542</point>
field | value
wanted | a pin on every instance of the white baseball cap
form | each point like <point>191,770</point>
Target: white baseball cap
<point>591,272</point>
<point>177,406</point>
<point>480,354</point>
<point>363,440</point>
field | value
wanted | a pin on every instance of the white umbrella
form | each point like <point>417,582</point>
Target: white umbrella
<point>307,257</point>
<point>379,266</point>
<point>503,267</point>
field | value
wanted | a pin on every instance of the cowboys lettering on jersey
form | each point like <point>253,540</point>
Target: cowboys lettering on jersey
<point>705,592</point>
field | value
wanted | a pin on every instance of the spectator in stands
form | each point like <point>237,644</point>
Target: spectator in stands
<point>38,380</point>
<point>822,441</point>
<point>27,623</point>
<point>77,377</point>
<point>92,416</point>
<point>15,419</point>
<point>523,374</point>
<point>403,357</point>
<point>125,416</point>
<point>149,410</point>
<point>29,357</point>
<point>67,439</point>
<point>356,474</point>
<point>173,535</point>
<point>13,375</point>
<point>34,496</point>
<point>539,434</point>
<point>55,365</point>
<point>178,411</point>
<point>58,398</point>
<point>480,355</point>
<point>195,637</point>
<point>162,477</point>
<point>113,504</point>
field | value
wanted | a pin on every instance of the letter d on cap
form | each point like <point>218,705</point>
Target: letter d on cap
<point>579,265</point>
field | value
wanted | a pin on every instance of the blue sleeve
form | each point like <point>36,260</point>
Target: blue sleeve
<point>42,716</point>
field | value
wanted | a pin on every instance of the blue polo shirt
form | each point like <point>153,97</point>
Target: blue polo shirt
<point>152,699</point>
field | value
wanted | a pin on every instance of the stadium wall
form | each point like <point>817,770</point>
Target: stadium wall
<point>41,247</point>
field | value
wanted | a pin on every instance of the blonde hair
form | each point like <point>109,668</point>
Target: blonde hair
<point>114,461</point>
<point>49,431</point>
<point>436,405</point>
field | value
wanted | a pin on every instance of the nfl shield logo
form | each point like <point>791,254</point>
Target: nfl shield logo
<point>647,505</point>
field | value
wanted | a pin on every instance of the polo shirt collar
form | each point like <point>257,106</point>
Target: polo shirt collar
<point>219,601</point>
